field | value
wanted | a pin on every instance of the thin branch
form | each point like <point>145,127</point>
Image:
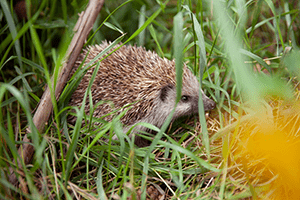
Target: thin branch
<point>82,29</point>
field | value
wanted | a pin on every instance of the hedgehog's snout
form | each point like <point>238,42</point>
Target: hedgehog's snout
<point>208,104</point>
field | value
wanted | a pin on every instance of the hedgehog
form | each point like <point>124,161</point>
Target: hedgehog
<point>139,78</point>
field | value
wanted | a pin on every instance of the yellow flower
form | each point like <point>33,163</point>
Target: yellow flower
<point>268,149</point>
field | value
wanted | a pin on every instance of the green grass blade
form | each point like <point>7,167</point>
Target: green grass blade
<point>148,21</point>
<point>141,40</point>
<point>202,62</point>
<point>258,59</point>
<point>178,52</point>
<point>9,59</point>
<point>73,145</point>
<point>123,4</point>
<point>21,32</point>
<point>278,34</point>
<point>12,29</point>
<point>100,189</point>
<point>154,36</point>
<point>243,75</point>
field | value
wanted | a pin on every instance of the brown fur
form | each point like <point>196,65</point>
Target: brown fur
<point>132,74</point>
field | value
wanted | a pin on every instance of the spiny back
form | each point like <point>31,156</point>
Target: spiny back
<point>130,74</point>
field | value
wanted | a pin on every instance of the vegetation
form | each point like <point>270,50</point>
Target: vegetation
<point>245,52</point>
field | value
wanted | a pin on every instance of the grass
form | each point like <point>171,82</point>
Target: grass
<point>241,55</point>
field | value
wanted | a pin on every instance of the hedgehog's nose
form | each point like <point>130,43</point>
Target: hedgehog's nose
<point>210,104</point>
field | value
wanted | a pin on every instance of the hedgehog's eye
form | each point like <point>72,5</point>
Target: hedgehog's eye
<point>184,98</point>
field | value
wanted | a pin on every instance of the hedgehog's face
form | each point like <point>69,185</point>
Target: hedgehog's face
<point>189,100</point>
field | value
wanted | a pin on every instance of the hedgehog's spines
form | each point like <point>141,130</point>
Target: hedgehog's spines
<point>133,75</point>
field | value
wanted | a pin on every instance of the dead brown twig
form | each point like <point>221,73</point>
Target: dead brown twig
<point>82,28</point>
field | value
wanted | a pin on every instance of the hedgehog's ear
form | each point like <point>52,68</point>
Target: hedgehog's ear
<point>164,92</point>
